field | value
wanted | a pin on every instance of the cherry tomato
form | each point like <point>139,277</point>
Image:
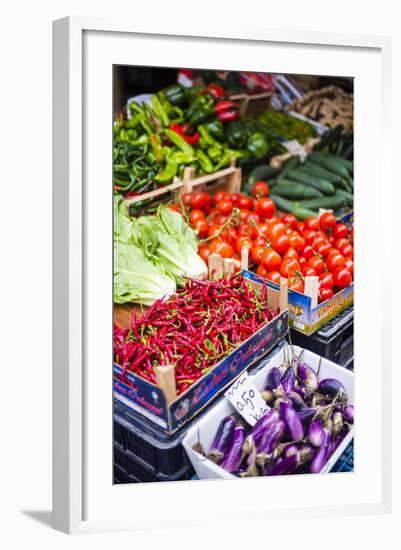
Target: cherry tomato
<point>296,283</point>
<point>318,243</point>
<point>271,260</point>
<point>213,214</point>
<point>325,250</point>
<point>289,267</point>
<point>257,252</point>
<point>281,244</point>
<point>300,226</point>
<point>327,222</point>
<point>290,220</point>
<point>347,250</point>
<point>303,262</point>
<point>307,251</point>
<point>214,230</point>
<point>274,276</point>
<point>175,208</point>
<point>260,189</point>
<point>232,233</point>
<point>294,239</point>
<point>260,241</point>
<point>244,202</point>
<point>276,230</point>
<point>265,208</point>
<point>332,239</point>
<point>253,219</point>
<point>241,242</point>
<point>243,214</point>
<point>312,224</point>
<point>221,195</point>
<point>322,235</point>
<point>349,264</point>
<point>235,198</point>
<point>225,207</point>
<point>244,230</point>
<point>202,228</point>
<point>335,260</point>
<point>201,201</point>
<point>325,294</point>
<point>220,247</point>
<point>262,271</point>
<point>326,280</point>
<point>342,277</point>
<point>308,235</point>
<point>340,230</point>
<point>263,229</point>
<point>317,263</point>
<point>196,215</point>
<point>341,242</point>
<point>187,199</point>
<point>308,271</point>
<point>291,253</point>
<point>204,252</point>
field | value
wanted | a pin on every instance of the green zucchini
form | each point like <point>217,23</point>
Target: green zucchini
<point>348,164</point>
<point>281,203</point>
<point>322,185</point>
<point>296,191</point>
<point>293,162</point>
<point>335,179</point>
<point>263,173</point>
<point>332,203</point>
<point>301,213</point>
<point>349,198</point>
<point>330,163</point>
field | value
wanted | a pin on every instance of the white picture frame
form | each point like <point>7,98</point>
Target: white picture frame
<point>80,45</point>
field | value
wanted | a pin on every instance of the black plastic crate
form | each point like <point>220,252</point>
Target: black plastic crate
<point>147,455</point>
<point>334,341</point>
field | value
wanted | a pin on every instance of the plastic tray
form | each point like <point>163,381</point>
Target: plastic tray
<point>205,429</point>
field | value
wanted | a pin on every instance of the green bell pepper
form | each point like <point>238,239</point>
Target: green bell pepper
<point>257,145</point>
<point>176,95</point>
<point>216,129</point>
<point>237,134</point>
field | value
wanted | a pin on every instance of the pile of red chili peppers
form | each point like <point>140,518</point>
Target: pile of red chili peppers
<point>194,329</point>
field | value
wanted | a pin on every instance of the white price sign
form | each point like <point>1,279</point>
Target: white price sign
<point>246,399</point>
<point>295,148</point>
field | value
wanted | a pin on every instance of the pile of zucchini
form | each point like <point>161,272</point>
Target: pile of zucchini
<point>322,181</point>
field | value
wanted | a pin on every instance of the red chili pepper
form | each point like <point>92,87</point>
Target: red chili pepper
<point>216,90</point>
<point>228,116</point>
<point>224,105</point>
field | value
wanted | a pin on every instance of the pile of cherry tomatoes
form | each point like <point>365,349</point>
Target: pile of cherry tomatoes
<point>278,246</point>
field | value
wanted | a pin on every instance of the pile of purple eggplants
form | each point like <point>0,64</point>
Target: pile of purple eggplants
<point>307,422</point>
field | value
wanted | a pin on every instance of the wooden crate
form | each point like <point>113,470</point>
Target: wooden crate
<point>251,104</point>
<point>278,160</point>
<point>227,179</point>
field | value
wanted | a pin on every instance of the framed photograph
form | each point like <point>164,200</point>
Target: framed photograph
<point>213,299</point>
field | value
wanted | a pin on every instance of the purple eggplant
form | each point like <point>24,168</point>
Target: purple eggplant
<point>267,444</point>
<point>306,415</point>
<point>263,423</point>
<point>307,377</point>
<point>337,440</point>
<point>316,434</point>
<point>338,422</point>
<point>268,395</point>
<point>292,421</point>
<point>297,402</point>
<point>306,453</point>
<point>280,400</point>
<point>348,414</point>
<point>332,388</point>
<point>232,458</point>
<point>322,454</point>
<point>222,440</point>
<point>283,466</point>
<point>290,449</point>
<point>274,381</point>
<point>288,380</point>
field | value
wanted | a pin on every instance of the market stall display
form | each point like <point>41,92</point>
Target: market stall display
<point>233,221</point>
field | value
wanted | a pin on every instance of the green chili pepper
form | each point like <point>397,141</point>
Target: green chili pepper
<point>181,158</point>
<point>205,162</point>
<point>214,153</point>
<point>160,111</point>
<point>225,160</point>
<point>180,142</point>
<point>167,174</point>
<point>207,137</point>
<point>155,143</point>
